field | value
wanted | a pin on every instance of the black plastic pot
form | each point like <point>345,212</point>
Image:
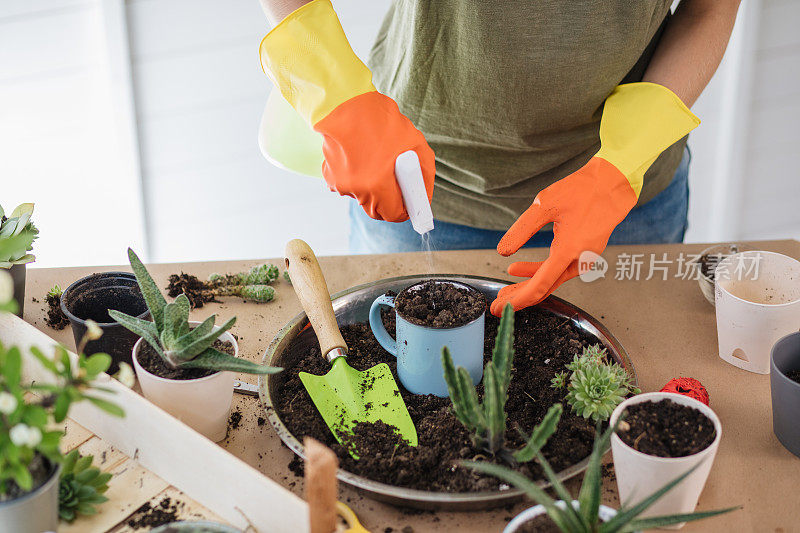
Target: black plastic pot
<point>18,276</point>
<point>91,298</point>
<point>785,358</point>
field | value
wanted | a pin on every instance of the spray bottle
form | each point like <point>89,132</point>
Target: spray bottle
<point>408,173</point>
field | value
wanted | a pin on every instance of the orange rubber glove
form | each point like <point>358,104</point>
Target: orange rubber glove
<point>309,60</point>
<point>640,120</point>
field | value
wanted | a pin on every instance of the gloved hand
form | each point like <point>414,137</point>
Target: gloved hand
<point>640,120</point>
<point>308,58</point>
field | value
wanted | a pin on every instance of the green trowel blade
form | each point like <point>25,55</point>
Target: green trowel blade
<point>345,396</point>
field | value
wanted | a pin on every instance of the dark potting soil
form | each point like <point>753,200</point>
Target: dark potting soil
<point>709,262</point>
<point>198,291</point>
<point>438,304</point>
<point>155,364</point>
<point>94,304</point>
<point>55,318</point>
<point>149,516</point>
<point>544,343</point>
<point>538,524</point>
<point>794,375</point>
<point>666,429</point>
<point>40,468</point>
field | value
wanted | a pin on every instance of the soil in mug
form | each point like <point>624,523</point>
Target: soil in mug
<point>544,343</point>
<point>794,375</point>
<point>154,363</point>
<point>438,304</point>
<point>709,262</point>
<point>666,429</point>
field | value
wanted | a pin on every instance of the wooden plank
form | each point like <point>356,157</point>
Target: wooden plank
<point>106,457</point>
<point>74,435</point>
<point>169,448</point>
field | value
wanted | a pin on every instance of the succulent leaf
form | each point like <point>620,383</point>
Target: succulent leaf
<point>152,295</point>
<point>540,434</point>
<point>213,359</point>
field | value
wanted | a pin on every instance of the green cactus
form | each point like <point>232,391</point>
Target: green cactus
<point>17,232</point>
<point>286,277</point>
<point>171,336</point>
<point>251,285</point>
<point>486,420</point>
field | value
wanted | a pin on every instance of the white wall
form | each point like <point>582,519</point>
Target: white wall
<point>135,122</point>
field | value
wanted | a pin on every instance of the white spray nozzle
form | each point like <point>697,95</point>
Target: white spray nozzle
<point>408,172</point>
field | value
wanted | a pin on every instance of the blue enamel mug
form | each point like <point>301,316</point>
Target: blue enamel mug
<point>418,349</point>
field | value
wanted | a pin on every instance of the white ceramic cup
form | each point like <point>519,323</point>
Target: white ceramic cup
<point>203,404</point>
<point>639,475</point>
<point>757,297</point>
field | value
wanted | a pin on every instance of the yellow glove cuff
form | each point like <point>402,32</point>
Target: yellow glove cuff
<point>308,58</point>
<point>641,120</point>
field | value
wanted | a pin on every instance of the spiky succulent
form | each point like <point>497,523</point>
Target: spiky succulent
<point>18,226</point>
<point>171,336</point>
<point>286,277</point>
<point>81,487</point>
<point>596,385</point>
<point>584,517</point>
<point>486,420</point>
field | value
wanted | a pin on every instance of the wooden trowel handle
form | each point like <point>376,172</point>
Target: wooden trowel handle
<point>309,285</point>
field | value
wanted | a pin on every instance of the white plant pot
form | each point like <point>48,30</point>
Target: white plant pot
<point>639,475</point>
<point>758,302</point>
<point>203,404</point>
<point>605,514</point>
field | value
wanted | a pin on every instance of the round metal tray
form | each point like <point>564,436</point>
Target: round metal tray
<point>351,306</point>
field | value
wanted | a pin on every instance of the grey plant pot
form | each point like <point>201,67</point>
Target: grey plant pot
<point>18,277</point>
<point>785,358</point>
<point>195,527</point>
<point>35,512</point>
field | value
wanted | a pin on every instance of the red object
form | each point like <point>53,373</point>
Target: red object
<point>688,387</point>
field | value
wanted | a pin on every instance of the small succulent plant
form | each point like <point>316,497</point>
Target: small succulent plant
<point>250,285</point>
<point>286,277</point>
<point>17,226</point>
<point>595,385</point>
<point>486,420</point>
<point>81,487</point>
<point>171,335</point>
<point>584,517</point>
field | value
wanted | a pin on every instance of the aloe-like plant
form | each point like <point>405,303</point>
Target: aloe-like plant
<point>17,225</point>
<point>595,385</point>
<point>486,419</point>
<point>584,517</point>
<point>81,486</point>
<point>171,335</point>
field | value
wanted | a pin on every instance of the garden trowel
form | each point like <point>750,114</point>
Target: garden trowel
<point>344,396</point>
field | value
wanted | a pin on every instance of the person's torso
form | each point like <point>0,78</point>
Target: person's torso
<point>509,94</point>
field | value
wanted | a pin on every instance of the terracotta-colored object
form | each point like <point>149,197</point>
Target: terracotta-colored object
<point>689,387</point>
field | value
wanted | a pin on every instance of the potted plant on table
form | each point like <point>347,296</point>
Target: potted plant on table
<point>184,367</point>
<point>30,455</point>
<point>18,232</point>
<point>785,391</point>
<point>585,514</point>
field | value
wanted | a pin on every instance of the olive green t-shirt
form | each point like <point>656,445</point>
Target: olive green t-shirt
<point>509,93</point>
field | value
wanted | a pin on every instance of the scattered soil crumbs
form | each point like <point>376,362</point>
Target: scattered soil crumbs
<point>148,516</point>
<point>261,421</point>
<point>235,420</point>
<point>666,429</point>
<point>544,343</point>
<point>440,304</point>
<point>154,363</point>
<point>539,524</point>
<point>794,375</point>
<point>56,319</point>
<point>198,292</point>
